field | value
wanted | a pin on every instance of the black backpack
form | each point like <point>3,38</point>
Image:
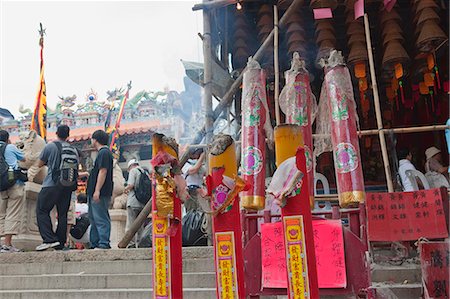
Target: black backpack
<point>193,231</point>
<point>67,173</point>
<point>81,226</point>
<point>143,189</point>
<point>7,179</point>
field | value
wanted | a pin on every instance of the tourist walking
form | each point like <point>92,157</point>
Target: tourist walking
<point>99,192</point>
<point>134,206</point>
<point>11,198</point>
<point>62,161</point>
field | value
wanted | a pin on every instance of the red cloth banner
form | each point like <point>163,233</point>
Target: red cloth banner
<point>434,260</point>
<point>329,249</point>
<point>407,216</point>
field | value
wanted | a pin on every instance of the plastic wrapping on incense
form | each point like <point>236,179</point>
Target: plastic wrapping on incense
<point>344,138</point>
<point>254,118</point>
<point>298,104</point>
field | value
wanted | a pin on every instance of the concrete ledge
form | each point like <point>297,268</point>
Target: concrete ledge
<point>96,255</point>
<point>188,293</point>
<point>100,267</point>
<point>98,281</point>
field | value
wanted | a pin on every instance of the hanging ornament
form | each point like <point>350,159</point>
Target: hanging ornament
<point>395,86</point>
<point>398,75</point>
<point>360,70</point>
<point>423,89</point>
<point>433,67</point>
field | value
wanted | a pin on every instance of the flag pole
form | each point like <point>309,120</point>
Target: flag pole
<point>119,118</point>
<point>39,118</point>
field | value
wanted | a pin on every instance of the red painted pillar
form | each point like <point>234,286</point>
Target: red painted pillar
<point>166,214</point>
<point>297,219</point>
<point>224,186</point>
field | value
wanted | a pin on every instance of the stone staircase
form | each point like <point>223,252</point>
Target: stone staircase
<point>127,273</point>
<point>97,274</point>
<point>397,282</point>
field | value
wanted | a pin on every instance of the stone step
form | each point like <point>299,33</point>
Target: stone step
<point>398,291</point>
<point>98,281</point>
<point>97,255</point>
<point>145,293</point>
<point>101,267</point>
<point>409,273</point>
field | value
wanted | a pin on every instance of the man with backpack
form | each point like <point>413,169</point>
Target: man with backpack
<point>139,190</point>
<point>62,161</point>
<point>11,195</point>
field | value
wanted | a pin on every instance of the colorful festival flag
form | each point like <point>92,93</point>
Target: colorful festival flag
<point>39,119</point>
<point>114,131</point>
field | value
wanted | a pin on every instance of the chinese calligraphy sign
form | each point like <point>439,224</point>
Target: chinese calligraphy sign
<point>296,257</point>
<point>161,259</point>
<point>434,260</point>
<point>407,216</point>
<point>226,265</point>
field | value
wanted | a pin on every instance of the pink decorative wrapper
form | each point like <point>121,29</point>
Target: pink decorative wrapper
<point>346,153</point>
<point>254,117</point>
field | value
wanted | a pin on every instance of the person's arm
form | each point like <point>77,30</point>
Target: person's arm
<point>43,159</point>
<point>100,182</point>
<point>83,174</point>
<point>131,181</point>
<point>436,166</point>
<point>194,169</point>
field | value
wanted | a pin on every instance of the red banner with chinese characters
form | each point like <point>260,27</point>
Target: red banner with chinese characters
<point>434,260</point>
<point>329,249</point>
<point>407,216</point>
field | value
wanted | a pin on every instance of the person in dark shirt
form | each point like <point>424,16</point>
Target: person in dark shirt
<point>99,192</point>
<point>52,194</point>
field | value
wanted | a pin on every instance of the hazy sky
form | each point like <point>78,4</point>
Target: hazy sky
<point>99,45</point>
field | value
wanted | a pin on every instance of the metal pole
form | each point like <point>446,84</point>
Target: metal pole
<point>276,66</point>
<point>207,76</point>
<point>376,99</point>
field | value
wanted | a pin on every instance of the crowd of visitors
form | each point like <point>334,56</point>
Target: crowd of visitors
<point>67,219</point>
<point>84,218</point>
<point>436,174</point>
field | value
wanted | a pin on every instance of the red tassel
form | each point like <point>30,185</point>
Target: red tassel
<point>401,92</point>
<point>437,77</point>
<point>432,101</point>
<point>426,106</point>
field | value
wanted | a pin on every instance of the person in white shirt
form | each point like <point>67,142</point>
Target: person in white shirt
<point>134,206</point>
<point>193,173</point>
<point>405,157</point>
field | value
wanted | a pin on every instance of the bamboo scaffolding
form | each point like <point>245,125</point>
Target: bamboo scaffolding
<point>228,97</point>
<point>276,65</point>
<point>407,130</point>
<point>376,100</point>
<point>207,76</point>
<point>214,4</point>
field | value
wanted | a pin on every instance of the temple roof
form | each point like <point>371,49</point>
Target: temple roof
<point>126,128</point>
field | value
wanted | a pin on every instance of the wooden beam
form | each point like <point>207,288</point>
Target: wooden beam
<point>214,4</point>
<point>376,100</point>
<point>207,75</point>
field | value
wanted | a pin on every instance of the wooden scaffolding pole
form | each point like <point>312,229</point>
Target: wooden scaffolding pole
<point>376,99</point>
<point>228,97</point>
<point>207,76</point>
<point>276,66</point>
